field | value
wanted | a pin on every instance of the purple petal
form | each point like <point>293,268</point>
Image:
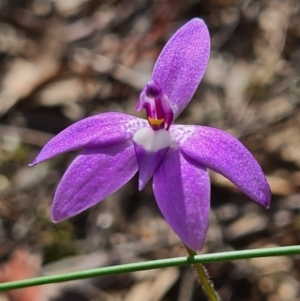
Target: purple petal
<point>97,131</point>
<point>92,176</point>
<point>182,192</point>
<point>182,63</point>
<point>148,163</point>
<point>150,148</point>
<point>226,155</point>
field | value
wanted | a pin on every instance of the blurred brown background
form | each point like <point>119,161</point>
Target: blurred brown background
<point>64,60</point>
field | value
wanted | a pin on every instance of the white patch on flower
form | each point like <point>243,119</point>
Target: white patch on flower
<point>134,125</point>
<point>181,133</point>
<point>151,140</point>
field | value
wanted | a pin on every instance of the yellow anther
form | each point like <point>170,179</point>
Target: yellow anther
<point>155,122</point>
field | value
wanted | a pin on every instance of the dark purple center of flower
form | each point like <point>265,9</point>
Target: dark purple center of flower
<point>152,90</point>
<point>157,105</point>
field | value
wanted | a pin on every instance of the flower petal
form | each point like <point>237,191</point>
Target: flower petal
<point>93,176</point>
<point>226,155</point>
<point>150,148</point>
<point>182,192</point>
<point>96,131</point>
<point>182,63</point>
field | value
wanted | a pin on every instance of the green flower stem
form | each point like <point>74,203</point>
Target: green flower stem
<point>206,283</point>
<point>153,264</point>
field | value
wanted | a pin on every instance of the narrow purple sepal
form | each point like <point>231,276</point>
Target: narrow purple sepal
<point>226,155</point>
<point>148,162</point>
<point>182,63</point>
<point>91,132</point>
<point>92,176</point>
<point>182,192</point>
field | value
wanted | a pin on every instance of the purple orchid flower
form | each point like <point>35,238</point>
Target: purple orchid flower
<point>117,145</point>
